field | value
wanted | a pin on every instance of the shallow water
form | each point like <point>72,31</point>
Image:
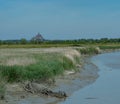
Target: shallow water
<point>106,89</point>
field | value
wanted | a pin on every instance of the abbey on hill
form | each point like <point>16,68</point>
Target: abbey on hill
<point>38,38</point>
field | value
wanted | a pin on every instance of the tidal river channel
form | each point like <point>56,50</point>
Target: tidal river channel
<point>106,89</point>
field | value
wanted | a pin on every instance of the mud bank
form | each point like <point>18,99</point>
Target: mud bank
<point>68,83</point>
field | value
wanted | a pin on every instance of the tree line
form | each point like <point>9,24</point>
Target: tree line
<point>77,41</point>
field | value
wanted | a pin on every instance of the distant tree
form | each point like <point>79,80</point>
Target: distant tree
<point>23,41</point>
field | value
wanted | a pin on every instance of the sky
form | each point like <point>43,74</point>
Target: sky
<point>59,19</point>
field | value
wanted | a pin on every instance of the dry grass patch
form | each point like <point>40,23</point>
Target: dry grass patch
<point>20,61</point>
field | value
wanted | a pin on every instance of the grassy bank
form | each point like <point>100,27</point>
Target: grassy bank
<point>24,64</point>
<point>89,50</point>
<point>19,64</point>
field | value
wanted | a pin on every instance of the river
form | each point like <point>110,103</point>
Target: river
<point>106,89</point>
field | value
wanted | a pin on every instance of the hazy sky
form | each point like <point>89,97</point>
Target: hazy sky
<point>59,19</point>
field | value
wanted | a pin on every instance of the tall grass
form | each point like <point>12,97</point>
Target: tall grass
<point>11,73</point>
<point>47,66</point>
<point>88,50</point>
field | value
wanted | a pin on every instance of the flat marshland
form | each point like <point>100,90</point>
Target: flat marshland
<point>21,64</point>
<point>29,64</point>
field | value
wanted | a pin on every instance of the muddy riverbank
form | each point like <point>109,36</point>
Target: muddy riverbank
<point>69,82</point>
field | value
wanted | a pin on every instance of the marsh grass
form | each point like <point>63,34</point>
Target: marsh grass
<point>109,47</point>
<point>11,73</point>
<point>46,65</point>
<point>88,50</point>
